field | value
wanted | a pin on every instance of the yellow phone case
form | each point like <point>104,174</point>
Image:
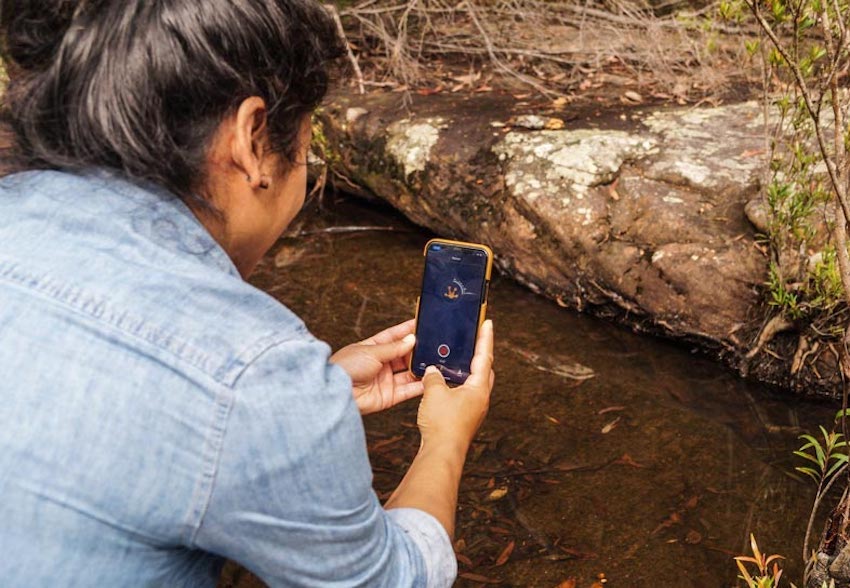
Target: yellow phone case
<point>488,271</point>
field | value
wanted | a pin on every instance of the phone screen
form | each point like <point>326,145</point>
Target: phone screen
<point>453,289</point>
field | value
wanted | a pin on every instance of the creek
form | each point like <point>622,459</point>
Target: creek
<point>605,454</point>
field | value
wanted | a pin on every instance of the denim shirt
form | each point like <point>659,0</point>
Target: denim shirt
<point>159,414</point>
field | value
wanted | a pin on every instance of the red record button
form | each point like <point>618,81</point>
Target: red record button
<point>443,350</point>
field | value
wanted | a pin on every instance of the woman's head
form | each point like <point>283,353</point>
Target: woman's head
<point>143,86</point>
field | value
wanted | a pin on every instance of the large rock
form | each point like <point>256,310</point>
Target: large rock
<point>641,220</point>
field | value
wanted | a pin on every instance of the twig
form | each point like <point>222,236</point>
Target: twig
<point>350,229</point>
<point>498,62</point>
<point>807,99</point>
<point>818,498</point>
<point>631,21</point>
<point>542,471</point>
<point>341,30</point>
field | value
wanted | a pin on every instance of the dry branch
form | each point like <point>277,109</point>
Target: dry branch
<point>533,41</point>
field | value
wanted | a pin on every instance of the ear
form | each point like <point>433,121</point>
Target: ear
<point>248,145</point>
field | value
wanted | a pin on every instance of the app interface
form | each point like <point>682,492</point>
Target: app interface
<point>448,310</point>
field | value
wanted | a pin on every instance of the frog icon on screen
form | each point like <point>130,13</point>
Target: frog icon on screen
<point>454,290</point>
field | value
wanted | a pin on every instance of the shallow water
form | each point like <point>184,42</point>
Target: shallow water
<point>652,472</point>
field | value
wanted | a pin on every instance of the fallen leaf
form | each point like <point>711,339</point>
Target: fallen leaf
<point>611,409</point>
<point>468,79</point>
<point>632,96</point>
<point>464,560</point>
<point>287,256</point>
<point>577,553</point>
<point>626,459</point>
<point>479,578</point>
<point>610,426</point>
<point>497,494</point>
<point>568,583</point>
<point>673,519</point>
<point>554,124</point>
<point>552,419</point>
<point>559,103</point>
<point>506,554</point>
<point>556,557</point>
<point>500,531</point>
<point>429,91</point>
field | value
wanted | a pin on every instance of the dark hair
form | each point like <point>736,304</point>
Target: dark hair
<point>141,86</point>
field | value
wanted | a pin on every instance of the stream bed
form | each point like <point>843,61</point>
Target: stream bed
<point>606,455</point>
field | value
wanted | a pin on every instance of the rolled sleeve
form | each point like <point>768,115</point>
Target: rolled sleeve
<point>292,497</point>
<point>433,543</point>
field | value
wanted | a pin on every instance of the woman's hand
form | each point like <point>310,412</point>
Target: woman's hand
<point>452,416</point>
<point>378,367</point>
<point>448,420</point>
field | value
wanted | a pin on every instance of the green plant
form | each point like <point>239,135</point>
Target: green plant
<point>826,458</point>
<point>828,461</point>
<point>764,575</point>
<point>780,295</point>
<point>804,50</point>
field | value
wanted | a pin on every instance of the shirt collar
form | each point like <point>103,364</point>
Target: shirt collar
<point>164,216</point>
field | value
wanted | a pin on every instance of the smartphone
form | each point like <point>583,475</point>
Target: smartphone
<point>451,307</point>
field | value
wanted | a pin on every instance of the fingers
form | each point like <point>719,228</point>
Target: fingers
<point>404,377</point>
<point>394,333</point>
<point>407,391</point>
<point>482,362</point>
<point>433,378</point>
<point>387,352</point>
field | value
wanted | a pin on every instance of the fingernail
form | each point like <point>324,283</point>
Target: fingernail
<point>409,338</point>
<point>431,370</point>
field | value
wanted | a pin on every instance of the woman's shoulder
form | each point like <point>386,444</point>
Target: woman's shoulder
<point>125,259</point>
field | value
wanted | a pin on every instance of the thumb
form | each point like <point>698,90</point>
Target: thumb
<point>433,378</point>
<point>386,352</point>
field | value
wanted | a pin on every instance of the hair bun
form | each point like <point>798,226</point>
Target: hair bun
<point>31,30</point>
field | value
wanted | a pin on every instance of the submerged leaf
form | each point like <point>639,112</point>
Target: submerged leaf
<point>506,554</point>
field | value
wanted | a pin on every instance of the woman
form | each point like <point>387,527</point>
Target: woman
<point>159,414</point>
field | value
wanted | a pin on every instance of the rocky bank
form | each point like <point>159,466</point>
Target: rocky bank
<point>647,216</point>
